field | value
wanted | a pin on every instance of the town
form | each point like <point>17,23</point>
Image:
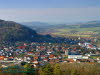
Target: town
<point>39,54</point>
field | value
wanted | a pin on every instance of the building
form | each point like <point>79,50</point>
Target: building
<point>74,56</point>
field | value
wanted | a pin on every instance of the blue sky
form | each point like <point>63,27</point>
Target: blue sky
<point>52,11</point>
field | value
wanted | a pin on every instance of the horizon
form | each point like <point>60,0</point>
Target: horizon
<point>51,11</point>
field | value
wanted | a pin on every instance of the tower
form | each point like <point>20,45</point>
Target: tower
<point>66,52</point>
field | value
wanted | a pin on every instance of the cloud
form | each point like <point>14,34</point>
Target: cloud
<point>51,14</point>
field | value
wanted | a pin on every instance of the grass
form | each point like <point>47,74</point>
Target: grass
<point>65,31</point>
<point>80,29</point>
<point>58,33</point>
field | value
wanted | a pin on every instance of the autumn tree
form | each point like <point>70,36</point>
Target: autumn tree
<point>57,70</point>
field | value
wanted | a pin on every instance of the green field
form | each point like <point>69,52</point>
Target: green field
<point>67,31</point>
<point>96,29</point>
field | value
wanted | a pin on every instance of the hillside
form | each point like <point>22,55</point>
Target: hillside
<point>11,32</point>
<point>37,26</point>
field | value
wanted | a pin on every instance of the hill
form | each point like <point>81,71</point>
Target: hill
<point>90,24</point>
<point>86,29</point>
<point>45,26</point>
<point>11,32</point>
<point>35,23</point>
<point>37,26</point>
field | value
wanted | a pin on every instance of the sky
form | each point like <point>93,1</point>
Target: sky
<point>51,11</point>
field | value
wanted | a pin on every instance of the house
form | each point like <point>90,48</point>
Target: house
<point>57,60</point>
<point>35,62</point>
<point>78,60</point>
<point>36,58</point>
<point>85,44</point>
<point>98,61</point>
<point>42,47</point>
<point>59,56</point>
<point>2,57</point>
<point>21,47</point>
<point>37,53</point>
<point>10,58</point>
<point>91,46</point>
<point>55,57</point>
<point>98,48</point>
<point>46,60</point>
<point>43,56</point>
<point>30,53</point>
<point>5,58</point>
<point>51,61</point>
<point>74,56</point>
<point>70,60</point>
<point>85,57</point>
<point>51,56</point>
<point>28,58</point>
<point>4,66</point>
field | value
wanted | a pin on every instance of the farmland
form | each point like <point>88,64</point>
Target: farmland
<point>83,32</point>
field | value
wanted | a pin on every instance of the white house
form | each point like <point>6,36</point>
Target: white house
<point>74,56</point>
<point>77,57</point>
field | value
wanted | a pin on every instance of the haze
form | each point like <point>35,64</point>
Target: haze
<point>51,11</point>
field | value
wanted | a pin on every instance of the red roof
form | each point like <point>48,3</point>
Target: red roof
<point>2,57</point>
<point>42,55</point>
<point>51,60</point>
<point>30,52</point>
<point>70,60</point>
<point>36,57</point>
<point>91,46</point>
<point>21,47</point>
<point>45,59</point>
<point>51,56</point>
<point>42,47</point>
<point>11,57</point>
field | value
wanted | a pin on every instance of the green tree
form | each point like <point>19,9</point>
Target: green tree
<point>46,70</point>
<point>29,70</point>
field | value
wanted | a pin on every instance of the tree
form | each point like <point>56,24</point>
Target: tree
<point>74,72</point>
<point>57,70</point>
<point>29,70</point>
<point>46,70</point>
